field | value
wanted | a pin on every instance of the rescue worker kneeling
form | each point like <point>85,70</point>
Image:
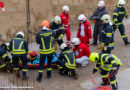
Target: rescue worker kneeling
<point>109,65</point>
<point>66,61</point>
<point>46,40</point>
<point>19,49</point>
<point>5,61</point>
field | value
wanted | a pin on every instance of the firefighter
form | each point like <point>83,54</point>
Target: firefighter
<point>107,40</point>
<point>84,31</point>
<point>82,52</point>
<point>66,61</point>
<point>19,49</point>
<point>4,56</point>
<point>99,12</point>
<point>46,40</point>
<point>109,65</point>
<point>56,24</point>
<point>118,16</point>
<point>66,23</point>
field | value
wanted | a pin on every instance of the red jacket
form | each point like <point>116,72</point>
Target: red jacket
<point>82,49</point>
<point>1,4</point>
<point>65,20</point>
<point>87,29</point>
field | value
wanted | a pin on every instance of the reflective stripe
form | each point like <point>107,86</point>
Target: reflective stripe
<point>16,69</point>
<point>116,14</point>
<point>40,71</point>
<point>60,37</point>
<point>121,12</point>
<point>19,50</point>
<point>111,45</point>
<point>49,69</point>
<point>46,52</point>
<point>124,36</point>
<point>113,82</point>
<point>115,19</point>
<point>60,67</point>
<point>69,65</point>
<point>67,51</point>
<point>4,56</point>
<point>96,68</point>
<point>43,44</point>
<point>25,70</point>
<point>105,76</point>
<point>2,66</point>
<point>109,34</point>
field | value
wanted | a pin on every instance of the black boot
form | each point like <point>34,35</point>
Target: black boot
<point>126,43</point>
<point>18,74</point>
<point>25,77</point>
<point>48,74</point>
<point>39,78</point>
<point>114,86</point>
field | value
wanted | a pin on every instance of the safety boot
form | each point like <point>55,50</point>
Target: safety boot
<point>48,74</point>
<point>39,78</point>
<point>126,43</point>
<point>18,74</point>
<point>25,77</point>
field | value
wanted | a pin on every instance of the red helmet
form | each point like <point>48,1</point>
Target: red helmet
<point>32,53</point>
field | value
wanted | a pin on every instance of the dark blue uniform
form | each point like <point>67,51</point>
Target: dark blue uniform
<point>46,40</point>
<point>19,49</point>
<point>118,16</point>
<point>58,38</point>
<point>67,62</point>
<point>4,55</point>
<point>107,38</point>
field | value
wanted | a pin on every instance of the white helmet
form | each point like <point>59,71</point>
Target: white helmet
<point>121,2</point>
<point>20,33</point>
<point>63,45</point>
<point>82,17</point>
<point>75,41</point>
<point>101,3</point>
<point>57,19</point>
<point>106,18</point>
<point>65,8</point>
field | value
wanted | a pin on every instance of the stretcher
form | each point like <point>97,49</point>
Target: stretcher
<point>35,63</point>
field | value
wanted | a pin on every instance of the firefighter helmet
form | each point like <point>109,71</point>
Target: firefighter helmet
<point>20,33</point>
<point>75,41</point>
<point>57,19</point>
<point>94,57</point>
<point>63,45</point>
<point>106,18</point>
<point>121,2</point>
<point>45,24</point>
<point>101,3</point>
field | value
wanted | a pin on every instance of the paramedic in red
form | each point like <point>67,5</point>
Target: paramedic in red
<point>84,31</point>
<point>81,51</point>
<point>65,21</point>
<point>2,6</point>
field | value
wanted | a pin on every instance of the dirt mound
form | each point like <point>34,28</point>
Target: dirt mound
<point>14,19</point>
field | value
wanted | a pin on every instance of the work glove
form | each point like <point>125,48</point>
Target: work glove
<point>100,46</point>
<point>105,48</point>
<point>94,71</point>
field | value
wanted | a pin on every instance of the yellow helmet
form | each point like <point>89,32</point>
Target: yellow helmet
<point>94,56</point>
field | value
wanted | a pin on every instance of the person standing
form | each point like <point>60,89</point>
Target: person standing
<point>107,35</point>
<point>46,40</point>
<point>118,16</point>
<point>19,49</point>
<point>66,23</point>
<point>99,12</point>
<point>84,31</point>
